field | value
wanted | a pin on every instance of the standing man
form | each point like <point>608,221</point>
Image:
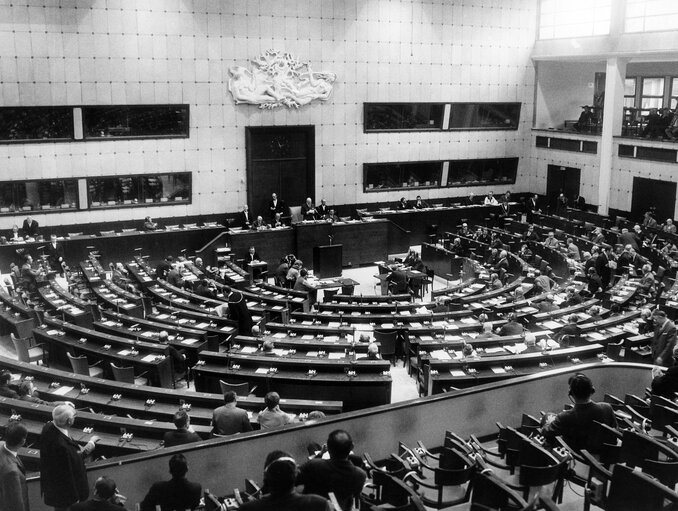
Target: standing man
<point>604,266</point>
<point>337,475</point>
<point>229,419</point>
<point>238,311</point>
<point>276,206</point>
<point>63,480</point>
<point>55,253</point>
<point>532,207</point>
<point>245,218</point>
<point>322,211</point>
<point>13,491</point>
<point>30,228</point>
<point>664,339</point>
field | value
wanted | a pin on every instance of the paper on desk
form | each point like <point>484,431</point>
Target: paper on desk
<point>52,332</point>
<point>280,335</point>
<point>457,372</point>
<point>62,391</point>
<point>307,337</point>
<point>202,325</point>
<point>248,349</point>
<point>280,352</point>
<point>109,323</point>
<point>162,316</point>
<point>518,347</point>
<point>491,351</point>
<point>425,337</point>
<point>550,324</point>
<point>439,324</point>
<point>262,370</point>
<point>405,313</point>
<point>147,334</point>
<point>596,336</point>
<point>467,320</point>
<point>311,353</point>
<point>415,324</point>
<point>149,358</point>
<point>331,338</point>
<point>124,353</point>
<point>189,341</point>
<point>423,310</point>
<point>307,322</point>
<point>498,370</point>
<point>277,307</point>
<point>387,325</point>
<point>181,321</point>
<point>441,355</point>
<point>333,324</point>
<point>552,344</point>
<point>335,356</point>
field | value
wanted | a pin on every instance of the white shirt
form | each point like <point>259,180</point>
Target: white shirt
<point>491,201</point>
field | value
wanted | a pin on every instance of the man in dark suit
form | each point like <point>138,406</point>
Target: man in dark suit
<point>276,206</point>
<point>664,339</point>
<point>419,203</point>
<point>63,480</point>
<point>322,210</point>
<point>30,228</point>
<point>183,434</point>
<point>13,490</point>
<point>163,267</point>
<point>238,311</point>
<point>470,200</point>
<point>55,253</point>
<point>603,266</point>
<point>308,211</point>
<point>106,497</point>
<point>245,218</point>
<point>229,419</point>
<point>177,493</point>
<point>532,207</point>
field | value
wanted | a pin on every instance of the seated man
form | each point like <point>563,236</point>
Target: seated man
<point>184,434</point>
<point>665,383</point>
<point>106,497</point>
<point>571,331</point>
<point>308,211</point>
<point>178,357</point>
<point>177,493</point>
<point>551,241</point>
<point>273,416</point>
<point>302,284</point>
<point>149,224</point>
<point>228,418</point>
<point>280,476</point>
<point>575,424</point>
<point>512,327</point>
<point>398,282</point>
<point>337,475</point>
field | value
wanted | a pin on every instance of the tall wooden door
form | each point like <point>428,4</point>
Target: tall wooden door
<point>281,160</point>
<point>562,180</point>
<point>653,195</point>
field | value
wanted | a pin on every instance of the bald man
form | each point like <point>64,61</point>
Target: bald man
<point>62,470</point>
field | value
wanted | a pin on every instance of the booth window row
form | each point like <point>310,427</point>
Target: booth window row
<point>437,174</point>
<point>102,192</point>
<point>440,116</point>
<point>99,122</point>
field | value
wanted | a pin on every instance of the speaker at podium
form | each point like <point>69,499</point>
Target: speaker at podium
<point>327,261</point>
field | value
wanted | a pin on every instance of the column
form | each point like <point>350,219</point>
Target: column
<point>615,73</point>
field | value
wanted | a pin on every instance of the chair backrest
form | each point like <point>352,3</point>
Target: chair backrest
<point>79,364</point>
<point>395,493</point>
<point>637,447</point>
<point>631,490</point>
<point>21,347</point>
<point>295,213</point>
<point>387,342</point>
<point>489,492</point>
<point>614,349</point>
<point>240,389</point>
<point>123,374</point>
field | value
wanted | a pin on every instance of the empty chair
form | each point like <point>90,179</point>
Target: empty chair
<point>387,341</point>
<point>389,492</point>
<point>25,352</point>
<point>81,366</point>
<point>126,375</point>
<point>240,389</point>
<point>490,492</point>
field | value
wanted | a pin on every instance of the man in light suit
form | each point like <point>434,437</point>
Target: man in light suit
<point>13,490</point>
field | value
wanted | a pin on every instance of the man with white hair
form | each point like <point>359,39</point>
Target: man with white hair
<point>63,479</point>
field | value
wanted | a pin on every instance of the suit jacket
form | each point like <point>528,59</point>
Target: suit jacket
<point>179,437</point>
<point>279,207</point>
<point>30,230</point>
<point>322,211</point>
<point>96,505</point>
<point>54,253</point>
<point>245,219</point>
<point>663,343</point>
<point>13,490</point>
<point>63,480</point>
<point>308,213</point>
<point>176,494</point>
<point>227,420</point>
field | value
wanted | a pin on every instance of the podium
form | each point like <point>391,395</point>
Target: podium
<point>327,261</point>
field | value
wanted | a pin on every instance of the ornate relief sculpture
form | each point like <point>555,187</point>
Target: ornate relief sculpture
<point>278,79</point>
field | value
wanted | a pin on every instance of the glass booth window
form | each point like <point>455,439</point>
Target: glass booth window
<point>383,176</point>
<point>403,116</point>
<point>139,190</point>
<point>482,172</point>
<point>135,121</point>
<point>652,93</point>
<point>43,195</point>
<point>20,124</point>
<point>484,116</point>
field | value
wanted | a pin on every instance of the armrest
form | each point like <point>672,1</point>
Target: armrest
<point>481,450</point>
<point>412,476</point>
<point>573,453</point>
<point>96,363</point>
<point>592,462</point>
<point>426,452</point>
<point>251,391</point>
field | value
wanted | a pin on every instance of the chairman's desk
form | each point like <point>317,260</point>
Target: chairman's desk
<point>363,241</point>
<point>134,399</point>
<point>419,222</point>
<point>291,376</point>
<point>113,247</point>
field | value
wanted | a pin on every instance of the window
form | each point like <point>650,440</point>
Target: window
<point>403,116</point>
<point>135,121</point>
<point>484,116</point>
<point>574,18</point>
<point>42,195</point>
<point>441,116</point>
<point>136,190</point>
<point>650,15</point>
<point>384,176</point>
<point>630,92</point>
<point>652,94</point>
<point>482,172</point>
<point>21,124</point>
<point>673,100</point>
